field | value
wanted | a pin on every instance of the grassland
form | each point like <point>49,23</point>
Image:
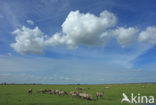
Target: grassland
<point>17,94</point>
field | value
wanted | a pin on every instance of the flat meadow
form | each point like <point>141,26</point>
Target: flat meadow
<point>18,94</point>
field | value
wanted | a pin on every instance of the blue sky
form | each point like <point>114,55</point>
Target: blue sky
<point>77,41</point>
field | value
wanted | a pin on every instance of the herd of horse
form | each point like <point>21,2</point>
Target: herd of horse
<point>77,93</point>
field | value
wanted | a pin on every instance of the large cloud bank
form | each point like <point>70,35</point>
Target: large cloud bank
<point>81,29</point>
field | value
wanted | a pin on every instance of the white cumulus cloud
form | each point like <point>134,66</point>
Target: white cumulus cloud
<point>84,29</point>
<point>148,35</point>
<point>125,35</point>
<point>30,22</point>
<point>28,40</point>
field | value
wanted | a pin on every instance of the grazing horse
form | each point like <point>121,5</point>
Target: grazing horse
<point>30,91</point>
<point>51,91</point>
<point>74,93</point>
<point>99,94</point>
<point>107,87</point>
<point>56,91</point>
<point>61,92</point>
<point>86,96</point>
<point>80,88</point>
<point>40,91</point>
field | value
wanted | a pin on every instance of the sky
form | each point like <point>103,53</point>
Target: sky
<point>77,41</point>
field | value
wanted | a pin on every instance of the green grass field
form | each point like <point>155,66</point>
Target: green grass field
<point>17,94</point>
